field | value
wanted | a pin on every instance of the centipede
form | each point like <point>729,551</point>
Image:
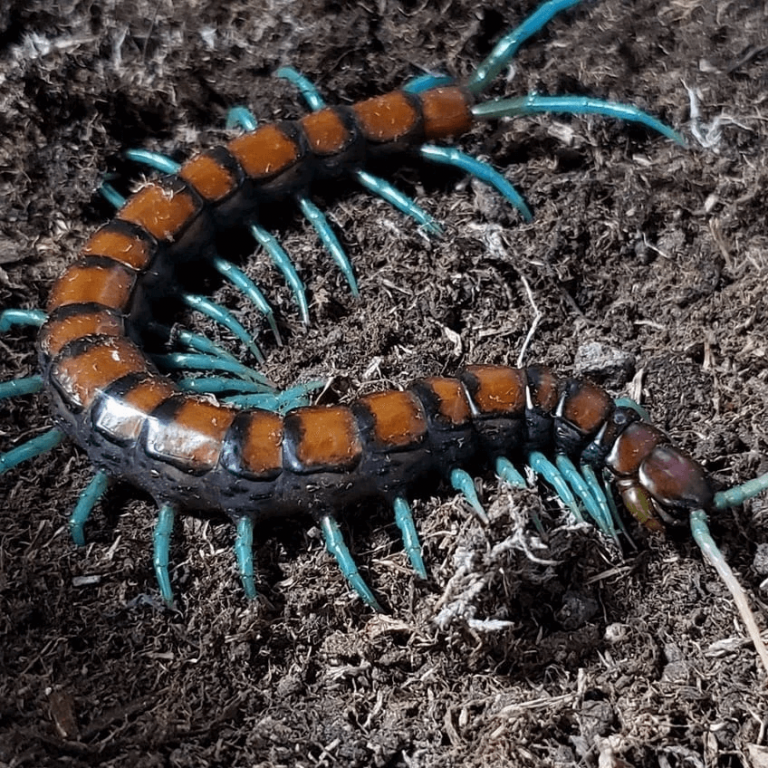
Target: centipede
<point>227,442</point>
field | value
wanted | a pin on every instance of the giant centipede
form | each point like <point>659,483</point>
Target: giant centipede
<point>193,452</point>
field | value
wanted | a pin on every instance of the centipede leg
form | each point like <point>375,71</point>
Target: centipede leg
<point>244,555</point>
<point>572,475</point>
<point>426,81</point>
<point>478,169</point>
<point>10,318</point>
<point>24,386</point>
<point>461,481</point>
<point>31,448</point>
<point>216,385</point>
<point>241,117</point>
<point>281,402</point>
<point>85,504</point>
<point>224,317</point>
<point>201,344</point>
<point>411,543</point>
<point>507,471</point>
<point>334,542</point>
<point>541,465</point>
<point>601,498</point>
<point>533,104</point>
<point>195,362</point>
<point>162,547</point>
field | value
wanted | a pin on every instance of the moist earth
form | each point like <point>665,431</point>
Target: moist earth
<point>644,269</point>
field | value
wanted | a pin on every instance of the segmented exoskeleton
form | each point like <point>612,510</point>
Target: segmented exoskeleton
<point>196,452</point>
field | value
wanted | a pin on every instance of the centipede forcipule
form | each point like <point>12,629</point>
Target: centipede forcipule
<point>191,452</point>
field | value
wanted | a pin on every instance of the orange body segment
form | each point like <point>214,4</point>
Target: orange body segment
<point>211,180</point>
<point>86,282</point>
<point>265,152</point>
<point>542,385</point>
<point>59,331</point>
<point>398,419</point>
<point>386,118</point>
<point>587,407</point>
<point>162,212</point>
<point>446,112</point>
<point>261,445</point>
<point>324,436</point>
<point>453,406</point>
<point>497,389</point>
<point>325,131</point>
<point>128,249</point>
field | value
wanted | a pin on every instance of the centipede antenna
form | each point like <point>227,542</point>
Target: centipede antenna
<point>334,542</point>
<point>541,465</point>
<point>533,104</point>
<point>244,556</point>
<point>240,280</point>
<point>507,471</point>
<point>426,81</point>
<point>162,548</point>
<point>283,262</point>
<point>154,160</point>
<point>733,497</point>
<point>411,543</point>
<point>703,538</point>
<point>30,449</point>
<point>397,199</point>
<point>328,237</point>
<point>179,361</point>
<point>507,47</point>
<point>478,169</point>
<point>16,387</point>
<point>10,318</point>
<point>241,117</point>
<point>111,195</point>
<point>306,87</point>
<point>85,504</point>
<point>216,385</point>
<point>224,317</point>
<point>202,344</point>
<point>462,481</point>
<point>570,472</point>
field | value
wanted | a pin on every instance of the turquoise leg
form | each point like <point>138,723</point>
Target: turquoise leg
<point>334,542</point>
<point>507,47</point>
<point>30,449</point>
<point>241,117</point>
<point>306,87</point>
<point>320,223</point>
<point>541,465</point>
<point>162,547</point>
<point>155,160</point>
<point>398,200</point>
<point>26,386</point>
<point>427,81</point>
<point>244,555</point>
<point>10,318</point>
<point>201,344</point>
<point>615,514</point>
<point>411,543</point>
<point>480,170</point>
<point>463,482</point>
<point>240,280</point>
<point>179,361</point>
<point>507,471</point>
<point>85,504</point>
<point>706,543</point>
<point>111,195</point>
<point>733,497</point>
<point>576,481</point>
<point>283,262</point>
<point>216,385</point>
<point>223,317</point>
<point>281,402</point>
<point>597,491</point>
<point>533,104</point>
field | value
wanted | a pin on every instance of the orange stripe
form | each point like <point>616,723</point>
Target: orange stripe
<point>261,444</point>
<point>325,132</point>
<point>446,112</point>
<point>327,437</point>
<point>386,118</point>
<point>398,418</point>
<point>265,152</point>
<point>85,283</point>
<point>59,331</point>
<point>211,179</point>
<point>119,246</point>
<point>453,403</point>
<point>160,211</point>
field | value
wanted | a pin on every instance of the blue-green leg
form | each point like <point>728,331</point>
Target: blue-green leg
<point>16,387</point>
<point>306,87</point>
<point>217,385</point>
<point>176,361</point>
<point>576,481</point>
<point>241,117</point>
<point>478,169</point>
<point>162,548</point>
<point>507,47</point>
<point>85,504</point>
<point>202,344</point>
<point>541,465</point>
<point>154,160</point>
<point>224,317</point>
<point>411,543</point>
<point>334,542</point>
<point>425,82</point>
<point>461,481</point>
<point>30,449</point>
<point>533,104</point>
<point>240,280</point>
<point>283,262</point>
<point>507,471</point>
<point>10,318</point>
<point>244,555</point>
<point>597,490</point>
<point>111,195</point>
<point>281,402</point>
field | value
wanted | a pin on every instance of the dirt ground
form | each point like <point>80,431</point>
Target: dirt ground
<point>646,262</point>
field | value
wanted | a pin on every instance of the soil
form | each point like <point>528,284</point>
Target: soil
<point>646,264</point>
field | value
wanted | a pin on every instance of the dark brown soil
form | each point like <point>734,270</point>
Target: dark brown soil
<point>639,249</point>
